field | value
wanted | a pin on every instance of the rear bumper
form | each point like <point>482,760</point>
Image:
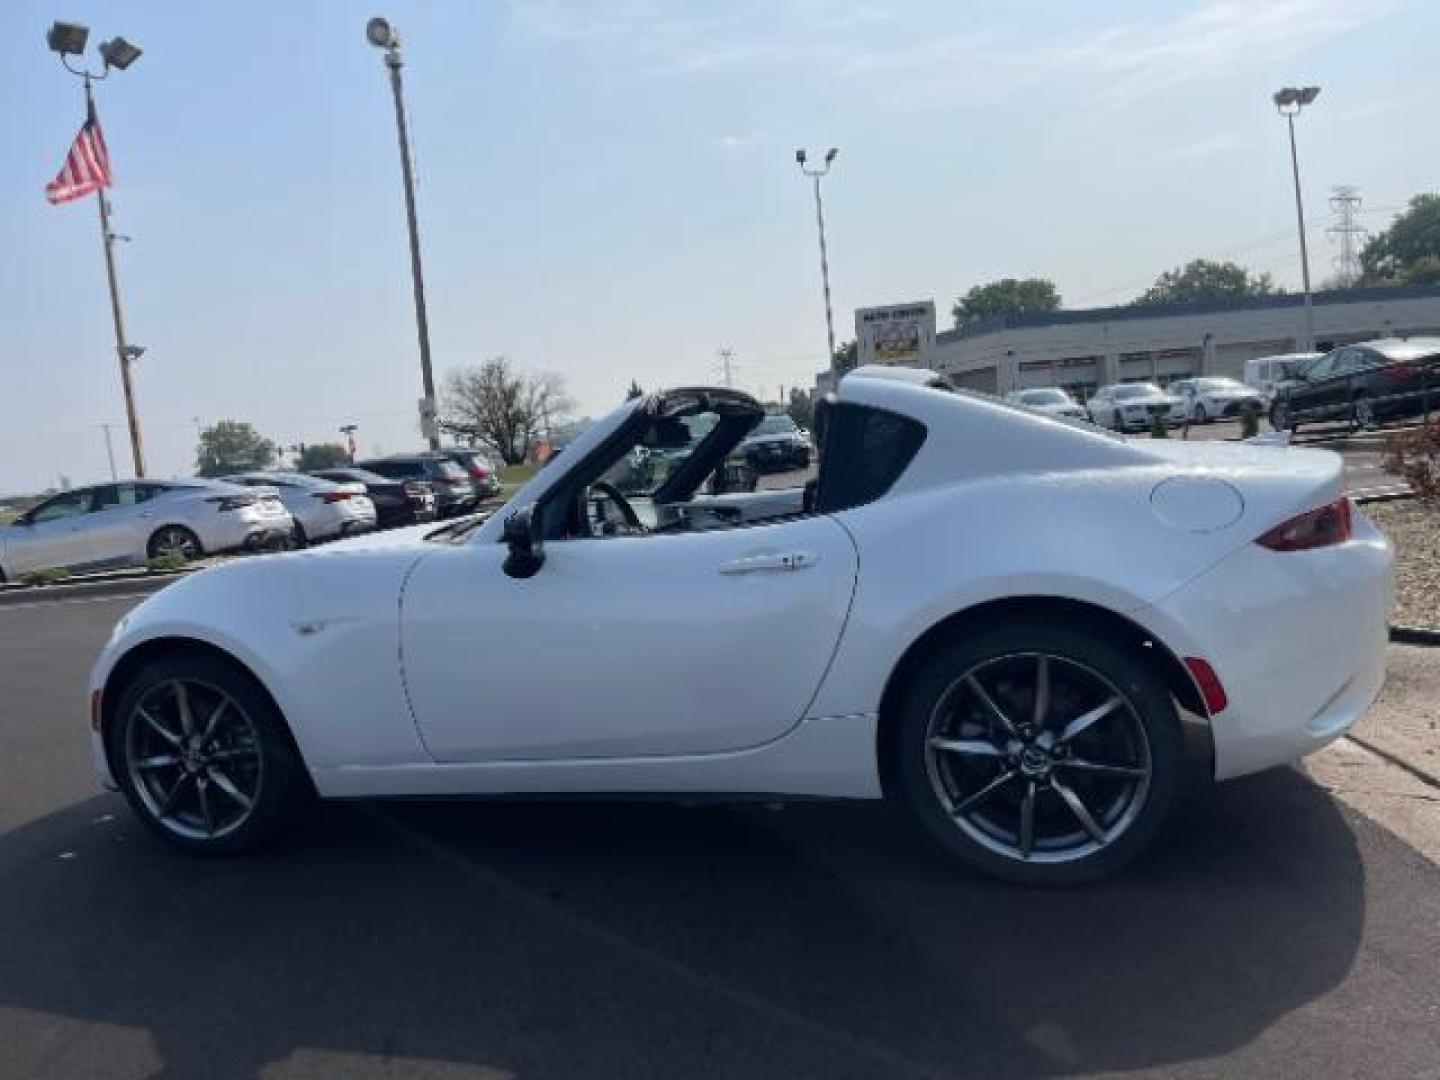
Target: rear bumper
<point>1297,639</point>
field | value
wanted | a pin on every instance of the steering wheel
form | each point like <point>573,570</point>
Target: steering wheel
<point>611,492</point>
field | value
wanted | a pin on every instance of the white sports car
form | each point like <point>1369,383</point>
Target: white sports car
<point>992,617</point>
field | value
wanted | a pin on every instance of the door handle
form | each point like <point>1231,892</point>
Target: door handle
<point>789,560</point>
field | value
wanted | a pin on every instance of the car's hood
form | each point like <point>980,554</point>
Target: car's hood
<point>412,536</point>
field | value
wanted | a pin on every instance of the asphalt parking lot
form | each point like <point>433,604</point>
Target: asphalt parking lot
<point>1277,933</point>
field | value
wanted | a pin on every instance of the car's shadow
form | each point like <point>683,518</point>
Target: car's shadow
<point>605,940</point>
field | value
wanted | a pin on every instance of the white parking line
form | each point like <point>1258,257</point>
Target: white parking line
<point>74,600</point>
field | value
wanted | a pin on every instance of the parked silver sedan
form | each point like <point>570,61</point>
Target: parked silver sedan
<point>124,524</point>
<point>322,509</point>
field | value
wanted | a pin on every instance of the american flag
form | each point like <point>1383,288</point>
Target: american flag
<point>87,165</point>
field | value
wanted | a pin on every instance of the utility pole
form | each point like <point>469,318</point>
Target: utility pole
<point>383,36</point>
<point>726,356</point>
<point>348,430</point>
<point>110,452</point>
<point>1345,202</point>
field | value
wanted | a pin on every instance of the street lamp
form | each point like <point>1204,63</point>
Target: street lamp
<point>67,40</point>
<point>816,174</point>
<point>1289,101</point>
<point>382,35</point>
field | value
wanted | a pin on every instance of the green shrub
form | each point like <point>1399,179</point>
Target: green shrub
<point>1159,429</point>
<point>163,563</point>
<point>1250,420</point>
<point>44,576</point>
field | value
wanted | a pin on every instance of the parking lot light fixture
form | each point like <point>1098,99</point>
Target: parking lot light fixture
<point>67,39</point>
<point>1289,100</point>
<point>817,174</point>
<point>118,53</point>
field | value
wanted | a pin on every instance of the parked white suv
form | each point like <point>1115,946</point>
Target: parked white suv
<point>322,509</point>
<point>124,524</point>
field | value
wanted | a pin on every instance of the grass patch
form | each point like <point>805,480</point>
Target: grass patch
<point>46,576</point>
<point>162,563</point>
<point>512,476</point>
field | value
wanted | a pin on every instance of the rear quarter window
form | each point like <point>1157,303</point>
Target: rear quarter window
<point>865,451</point>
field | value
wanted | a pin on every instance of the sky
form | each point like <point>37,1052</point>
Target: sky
<point>608,190</point>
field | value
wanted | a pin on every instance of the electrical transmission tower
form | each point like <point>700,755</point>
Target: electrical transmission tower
<point>727,367</point>
<point>1345,204</point>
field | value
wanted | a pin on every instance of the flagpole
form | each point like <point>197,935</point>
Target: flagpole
<point>122,349</point>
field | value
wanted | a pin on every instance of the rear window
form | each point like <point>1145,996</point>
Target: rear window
<point>393,469</point>
<point>774,425</point>
<point>1135,390</point>
<point>865,451</point>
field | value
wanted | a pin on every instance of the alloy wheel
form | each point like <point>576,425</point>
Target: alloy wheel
<point>1038,758</point>
<point>176,541</point>
<point>193,758</point>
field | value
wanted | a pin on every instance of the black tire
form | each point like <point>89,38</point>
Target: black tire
<point>253,752</point>
<point>174,540</point>
<point>1132,810</point>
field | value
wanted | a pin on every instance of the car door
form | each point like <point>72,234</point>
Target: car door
<point>1314,396</point>
<point>51,537</point>
<point>625,646</point>
<point>119,522</point>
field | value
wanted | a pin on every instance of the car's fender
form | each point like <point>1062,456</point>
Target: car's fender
<point>320,631</point>
<point>931,554</point>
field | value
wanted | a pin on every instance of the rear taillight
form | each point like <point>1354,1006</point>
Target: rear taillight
<point>233,502</point>
<point>334,496</point>
<point>1322,527</point>
<point>1400,371</point>
<point>479,473</point>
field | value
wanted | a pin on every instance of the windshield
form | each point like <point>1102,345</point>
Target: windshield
<point>1050,396</point>
<point>1218,384</point>
<point>774,425</point>
<point>1136,390</point>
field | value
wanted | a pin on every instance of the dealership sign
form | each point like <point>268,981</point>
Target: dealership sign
<point>896,334</point>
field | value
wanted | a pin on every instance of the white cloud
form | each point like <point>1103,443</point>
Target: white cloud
<point>738,140</point>
<point>837,40</point>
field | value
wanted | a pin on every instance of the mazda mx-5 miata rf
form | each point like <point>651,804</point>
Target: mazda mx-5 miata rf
<point>1007,623</point>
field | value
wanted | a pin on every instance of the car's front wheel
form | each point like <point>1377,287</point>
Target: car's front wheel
<point>1041,754</point>
<point>203,756</point>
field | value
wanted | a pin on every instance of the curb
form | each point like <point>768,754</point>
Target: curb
<point>1399,762</point>
<point>1415,635</point>
<point>111,586</point>
<point>1381,495</point>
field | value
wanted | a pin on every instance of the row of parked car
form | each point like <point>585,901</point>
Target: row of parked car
<point>107,526</point>
<point>1364,384</point>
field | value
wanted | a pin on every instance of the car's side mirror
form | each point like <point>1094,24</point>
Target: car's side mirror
<point>522,535</point>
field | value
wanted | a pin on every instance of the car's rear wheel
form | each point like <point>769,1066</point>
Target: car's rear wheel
<point>174,540</point>
<point>203,756</point>
<point>1041,754</point>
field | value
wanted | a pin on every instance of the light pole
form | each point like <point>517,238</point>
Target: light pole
<point>383,36</point>
<point>1289,101</point>
<point>816,174</point>
<point>67,40</point>
<point>348,430</point>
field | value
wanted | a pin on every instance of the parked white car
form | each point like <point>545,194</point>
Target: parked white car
<point>1048,399</point>
<point>1215,398</point>
<point>1266,373</point>
<point>322,509</point>
<point>124,524</point>
<point>990,616</point>
<point>1133,406</point>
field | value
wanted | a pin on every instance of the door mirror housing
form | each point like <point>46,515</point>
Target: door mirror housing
<point>522,535</point>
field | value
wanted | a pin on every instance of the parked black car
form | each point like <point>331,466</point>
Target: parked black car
<point>397,502</point>
<point>1363,384</point>
<point>483,475</point>
<point>775,445</point>
<point>454,494</point>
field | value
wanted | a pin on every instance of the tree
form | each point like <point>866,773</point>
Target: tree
<point>232,446</point>
<point>801,407</point>
<point>507,410</point>
<point>847,355</point>
<point>1398,255</point>
<point>1008,296</point>
<point>1201,279</point>
<point>634,391</point>
<point>322,456</point>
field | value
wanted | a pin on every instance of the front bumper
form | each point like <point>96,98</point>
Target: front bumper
<point>1297,639</point>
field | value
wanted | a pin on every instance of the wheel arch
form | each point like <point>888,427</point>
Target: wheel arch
<point>153,649</point>
<point>1052,609</point>
<point>163,525</point>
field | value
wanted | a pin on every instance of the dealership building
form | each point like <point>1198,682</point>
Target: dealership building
<point>1085,349</point>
